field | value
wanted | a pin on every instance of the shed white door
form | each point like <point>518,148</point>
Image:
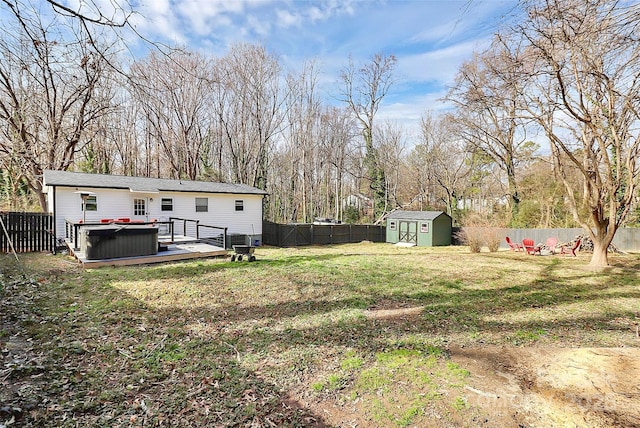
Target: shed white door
<point>408,231</point>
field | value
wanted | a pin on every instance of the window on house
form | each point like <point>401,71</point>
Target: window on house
<point>139,206</point>
<point>392,225</point>
<point>239,205</point>
<point>166,204</point>
<point>424,227</point>
<point>91,203</point>
<point>202,205</point>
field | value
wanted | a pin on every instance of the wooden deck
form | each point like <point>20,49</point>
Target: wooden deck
<point>181,248</point>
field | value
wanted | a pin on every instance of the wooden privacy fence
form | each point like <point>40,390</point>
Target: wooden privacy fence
<point>28,232</point>
<point>291,235</point>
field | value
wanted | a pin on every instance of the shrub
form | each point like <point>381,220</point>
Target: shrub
<point>492,238</point>
<point>478,232</point>
<point>470,237</point>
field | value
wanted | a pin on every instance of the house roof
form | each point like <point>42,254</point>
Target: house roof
<point>416,215</point>
<point>143,184</point>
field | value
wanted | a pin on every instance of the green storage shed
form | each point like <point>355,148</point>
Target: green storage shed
<point>421,228</point>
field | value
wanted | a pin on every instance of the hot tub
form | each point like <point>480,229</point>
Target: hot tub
<point>114,241</point>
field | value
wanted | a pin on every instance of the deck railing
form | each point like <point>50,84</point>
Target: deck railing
<point>192,227</point>
<point>220,239</point>
<point>188,225</point>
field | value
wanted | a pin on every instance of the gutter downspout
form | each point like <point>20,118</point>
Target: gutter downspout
<point>55,223</point>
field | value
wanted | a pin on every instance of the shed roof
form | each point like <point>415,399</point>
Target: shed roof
<point>143,184</point>
<point>416,215</point>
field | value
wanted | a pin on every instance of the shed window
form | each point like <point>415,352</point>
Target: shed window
<point>91,203</point>
<point>392,225</point>
<point>424,227</point>
<point>166,204</point>
<point>239,205</point>
<point>202,205</point>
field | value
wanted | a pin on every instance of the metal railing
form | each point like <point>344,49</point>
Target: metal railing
<point>185,225</point>
<point>220,240</point>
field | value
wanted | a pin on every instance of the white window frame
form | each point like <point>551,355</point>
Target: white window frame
<point>166,204</point>
<point>90,203</point>
<point>202,207</point>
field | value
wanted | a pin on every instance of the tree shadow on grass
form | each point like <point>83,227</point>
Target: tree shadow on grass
<point>95,360</point>
<point>113,359</point>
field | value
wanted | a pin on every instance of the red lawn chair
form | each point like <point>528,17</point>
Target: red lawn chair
<point>515,246</point>
<point>530,246</point>
<point>551,244</point>
<point>571,250</point>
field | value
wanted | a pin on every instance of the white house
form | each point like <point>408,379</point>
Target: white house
<point>76,197</point>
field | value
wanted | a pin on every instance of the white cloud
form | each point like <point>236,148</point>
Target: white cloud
<point>411,109</point>
<point>200,15</point>
<point>324,10</point>
<point>259,26</point>
<point>316,14</point>
<point>176,21</point>
<point>440,65</point>
<point>156,20</point>
<point>286,19</point>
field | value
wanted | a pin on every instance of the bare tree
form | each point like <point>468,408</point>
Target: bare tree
<point>363,91</point>
<point>302,118</point>
<point>488,113</point>
<point>129,144</point>
<point>440,164</point>
<point>248,104</point>
<point>390,146</point>
<point>176,107</point>
<point>337,140</point>
<point>543,196</point>
<point>53,86</point>
<point>580,62</point>
<point>312,157</point>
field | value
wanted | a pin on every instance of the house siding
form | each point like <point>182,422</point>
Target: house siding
<point>116,203</point>
<point>221,212</point>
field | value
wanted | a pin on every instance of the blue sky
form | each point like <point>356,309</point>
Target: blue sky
<point>429,38</point>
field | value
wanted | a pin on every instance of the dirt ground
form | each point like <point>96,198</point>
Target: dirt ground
<point>527,387</point>
<point>533,387</point>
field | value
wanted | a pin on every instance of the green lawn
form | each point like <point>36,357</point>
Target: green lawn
<point>290,339</point>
